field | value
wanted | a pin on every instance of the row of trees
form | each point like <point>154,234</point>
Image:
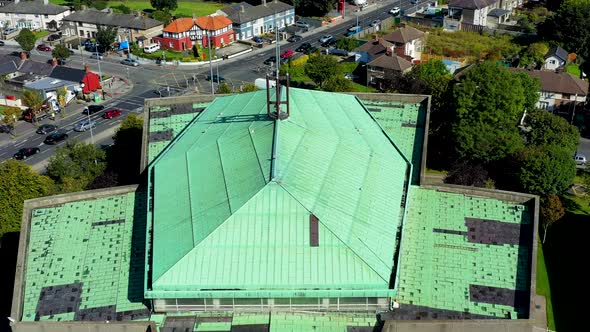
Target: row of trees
<point>74,167</point>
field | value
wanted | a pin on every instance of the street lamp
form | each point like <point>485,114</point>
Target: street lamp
<point>98,62</point>
<point>14,126</point>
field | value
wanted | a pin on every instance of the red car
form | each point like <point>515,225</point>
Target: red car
<point>44,48</point>
<point>287,53</point>
<point>111,113</point>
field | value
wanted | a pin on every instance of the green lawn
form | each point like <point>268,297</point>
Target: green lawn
<point>40,34</point>
<point>543,286</point>
<point>574,69</point>
<point>185,8</point>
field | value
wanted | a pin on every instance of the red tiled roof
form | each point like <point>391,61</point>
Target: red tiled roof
<point>180,25</point>
<point>213,23</point>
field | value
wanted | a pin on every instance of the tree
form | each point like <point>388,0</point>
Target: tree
<point>313,7</point>
<point>346,43</point>
<point>223,88</point>
<point>569,27</point>
<point>547,129</point>
<point>545,170</point>
<point>10,114</point>
<point>489,102</point>
<point>196,51</point>
<point>18,182</point>
<point>26,39</point>
<point>551,211</point>
<point>167,5</point>
<point>74,166</point>
<point>123,9</point>
<point>162,16</point>
<point>60,52</point>
<point>320,68</point>
<point>534,55</point>
<point>338,84</point>
<point>105,36</point>
<point>249,87</point>
<point>467,174</point>
<point>124,156</point>
<point>32,99</point>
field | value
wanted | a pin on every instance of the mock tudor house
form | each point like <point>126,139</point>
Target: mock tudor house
<point>555,58</point>
<point>184,32</point>
<point>249,21</point>
<point>132,27</point>
<point>33,15</point>
<point>558,89</point>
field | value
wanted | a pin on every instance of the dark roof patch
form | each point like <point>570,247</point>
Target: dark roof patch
<point>33,7</point>
<point>471,4</point>
<point>557,52</point>
<point>250,13</point>
<point>92,16</point>
<point>68,74</point>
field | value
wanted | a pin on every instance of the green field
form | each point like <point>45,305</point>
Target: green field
<point>574,70</point>
<point>543,287</point>
<point>185,8</point>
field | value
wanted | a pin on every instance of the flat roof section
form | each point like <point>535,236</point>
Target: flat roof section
<point>464,257</point>
<point>85,261</point>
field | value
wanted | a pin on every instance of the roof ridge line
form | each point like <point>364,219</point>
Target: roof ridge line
<point>335,235</point>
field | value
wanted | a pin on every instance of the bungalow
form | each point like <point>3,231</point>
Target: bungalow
<point>249,21</point>
<point>558,89</point>
<point>182,33</point>
<point>74,80</point>
<point>386,67</point>
<point>137,27</point>
<point>32,15</point>
<point>556,58</point>
<point>407,42</point>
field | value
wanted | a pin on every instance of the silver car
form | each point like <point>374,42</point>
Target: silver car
<point>326,38</point>
<point>130,62</point>
<point>85,125</point>
<point>98,56</point>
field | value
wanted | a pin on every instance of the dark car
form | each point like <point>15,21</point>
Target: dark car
<point>329,43</point>
<point>257,39</point>
<point>303,47</point>
<point>92,109</point>
<point>111,113</point>
<point>46,129</point>
<point>6,129</point>
<point>270,60</point>
<point>53,37</point>
<point>215,78</point>
<point>55,138</point>
<point>25,153</point>
<point>294,38</point>
<point>311,50</point>
<point>1,43</point>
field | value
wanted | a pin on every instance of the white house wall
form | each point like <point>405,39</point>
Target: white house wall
<point>552,63</point>
<point>35,21</point>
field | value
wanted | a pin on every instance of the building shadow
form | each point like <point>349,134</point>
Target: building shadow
<point>8,256</point>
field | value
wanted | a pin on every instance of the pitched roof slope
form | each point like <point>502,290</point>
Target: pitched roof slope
<point>68,74</point>
<point>213,23</point>
<point>558,82</point>
<point>236,191</point>
<point>558,52</point>
<point>394,62</point>
<point>180,25</point>
<point>250,13</point>
<point>33,7</point>
<point>94,16</point>
<point>404,35</point>
<point>471,4</point>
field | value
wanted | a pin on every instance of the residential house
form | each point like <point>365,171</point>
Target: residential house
<point>474,12</point>
<point>407,42</point>
<point>249,21</point>
<point>182,33</point>
<point>558,89</point>
<point>372,49</point>
<point>132,27</point>
<point>498,16</point>
<point>556,58</point>
<point>74,80</point>
<point>33,15</point>
<point>386,67</point>
<point>9,66</point>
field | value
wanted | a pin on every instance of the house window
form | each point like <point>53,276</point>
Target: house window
<point>566,96</point>
<point>543,105</point>
<point>46,16</point>
<point>79,24</point>
<point>552,62</point>
<point>82,33</point>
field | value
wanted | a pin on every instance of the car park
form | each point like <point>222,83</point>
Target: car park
<point>55,138</point>
<point>112,113</point>
<point>395,11</point>
<point>92,109</point>
<point>270,60</point>
<point>287,53</point>
<point>257,39</point>
<point>326,38</point>
<point>25,153</point>
<point>294,38</point>
<point>302,24</point>
<point>43,47</point>
<point>216,78</point>
<point>129,62</point>
<point>46,129</point>
<point>84,125</point>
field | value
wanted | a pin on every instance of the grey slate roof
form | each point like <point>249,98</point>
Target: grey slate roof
<point>394,62</point>
<point>8,68</point>
<point>498,12</point>
<point>404,35</point>
<point>471,4</point>
<point>93,16</point>
<point>33,7</point>
<point>557,52</point>
<point>35,67</point>
<point>557,82</point>
<point>235,14</point>
<point>68,74</point>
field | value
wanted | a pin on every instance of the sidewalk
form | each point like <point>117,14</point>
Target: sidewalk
<point>118,88</point>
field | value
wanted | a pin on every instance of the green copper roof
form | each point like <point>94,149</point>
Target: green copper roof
<point>223,219</point>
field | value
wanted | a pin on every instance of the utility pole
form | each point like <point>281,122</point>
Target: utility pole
<point>208,32</point>
<point>98,62</point>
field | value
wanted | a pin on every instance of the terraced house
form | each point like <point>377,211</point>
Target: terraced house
<point>249,21</point>
<point>36,14</point>
<point>287,210</point>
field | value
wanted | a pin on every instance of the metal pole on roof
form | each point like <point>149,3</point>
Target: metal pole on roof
<point>210,63</point>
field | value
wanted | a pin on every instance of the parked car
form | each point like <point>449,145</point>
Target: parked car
<point>326,38</point>
<point>92,109</point>
<point>84,125</point>
<point>257,39</point>
<point>287,53</point>
<point>414,2</point>
<point>215,78</point>
<point>1,43</point>
<point>111,113</point>
<point>302,24</point>
<point>129,62</point>
<point>329,43</point>
<point>55,138</point>
<point>580,159</point>
<point>25,153</point>
<point>311,50</point>
<point>6,129</point>
<point>395,11</point>
<point>352,31</point>
<point>8,31</point>
<point>270,60</point>
<point>46,129</point>
<point>98,56</point>
<point>375,23</point>
<point>43,47</point>
<point>294,38</point>
<point>53,37</point>
<point>303,47</point>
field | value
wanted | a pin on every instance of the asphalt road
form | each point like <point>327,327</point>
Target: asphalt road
<point>151,81</point>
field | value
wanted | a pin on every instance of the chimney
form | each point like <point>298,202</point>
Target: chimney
<point>194,17</point>
<point>23,56</point>
<point>54,63</point>
<point>45,2</point>
<point>264,3</point>
<point>16,1</point>
<point>242,8</point>
<point>87,68</point>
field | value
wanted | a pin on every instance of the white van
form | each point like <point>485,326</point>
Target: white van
<point>151,48</point>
